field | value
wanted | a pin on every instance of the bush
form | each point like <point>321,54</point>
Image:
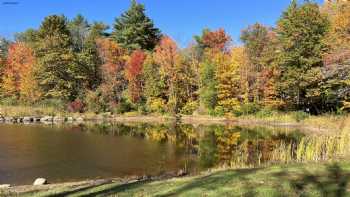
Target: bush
<point>95,103</point>
<point>265,112</point>
<point>250,108</point>
<point>123,106</point>
<point>76,106</point>
<point>300,116</point>
<point>189,107</point>
<point>219,111</point>
<point>9,101</point>
<point>246,109</point>
<point>156,105</point>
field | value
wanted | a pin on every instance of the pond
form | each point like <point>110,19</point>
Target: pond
<point>63,153</point>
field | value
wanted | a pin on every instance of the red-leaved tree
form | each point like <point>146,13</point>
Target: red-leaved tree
<point>133,74</point>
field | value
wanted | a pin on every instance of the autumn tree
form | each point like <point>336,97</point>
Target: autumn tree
<point>261,47</point>
<point>213,49</point>
<point>301,31</point>
<point>338,37</point>
<point>133,73</point>
<point>112,70</point>
<point>18,79</point>
<point>134,30</point>
<point>169,59</point>
<point>231,79</point>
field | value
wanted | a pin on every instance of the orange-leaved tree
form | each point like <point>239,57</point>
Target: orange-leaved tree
<point>112,69</point>
<point>19,73</point>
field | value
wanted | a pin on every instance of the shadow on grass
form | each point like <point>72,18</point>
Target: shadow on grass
<point>212,182</point>
<point>331,181</point>
<point>117,189</point>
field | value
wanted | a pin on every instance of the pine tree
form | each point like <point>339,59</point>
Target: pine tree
<point>134,30</point>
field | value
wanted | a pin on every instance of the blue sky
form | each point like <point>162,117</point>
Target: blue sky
<point>181,19</point>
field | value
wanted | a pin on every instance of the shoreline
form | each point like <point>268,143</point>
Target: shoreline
<point>308,125</point>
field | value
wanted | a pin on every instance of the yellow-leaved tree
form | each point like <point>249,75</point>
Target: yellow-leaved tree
<point>229,78</point>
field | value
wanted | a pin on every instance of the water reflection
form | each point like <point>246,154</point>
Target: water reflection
<point>212,145</point>
<point>75,152</point>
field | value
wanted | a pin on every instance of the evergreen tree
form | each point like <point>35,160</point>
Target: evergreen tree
<point>134,30</point>
<point>208,91</point>
<point>301,31</point>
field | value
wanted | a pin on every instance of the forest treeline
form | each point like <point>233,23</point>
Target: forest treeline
<point>301,64</point>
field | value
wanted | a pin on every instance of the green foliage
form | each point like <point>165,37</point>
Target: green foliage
<point>208,91</point>
<point>9,101</point>
<point>189,107</point>
<point>123,106</point>
<point>59,75</point>
<point>300,116</point>
<point>154,84</point>
<point>301,32</point>
<point>247,109</point>
<point>264,113</point>
<point>134,30</point>
<point>218,111</point>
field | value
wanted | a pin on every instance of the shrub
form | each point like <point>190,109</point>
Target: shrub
<point>250,108</point>
<point>94,102</point>
<point>246,109</point>
<point>300,116</point>
<point>76,106</point>
<point>219,111</point>
<point>265,112</point>
<point>9,101</point>
<point>156,105</point>
<point>123,106</point>
<point>189,107</point>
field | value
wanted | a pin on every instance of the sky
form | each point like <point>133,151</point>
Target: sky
<point>180,19</point>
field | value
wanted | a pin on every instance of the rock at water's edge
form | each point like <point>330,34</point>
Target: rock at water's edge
<point>40,181</point>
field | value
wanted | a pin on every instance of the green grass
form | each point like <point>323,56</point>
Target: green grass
<point>292,180</point>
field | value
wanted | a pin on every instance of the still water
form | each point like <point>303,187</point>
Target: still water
<point>90,151</point>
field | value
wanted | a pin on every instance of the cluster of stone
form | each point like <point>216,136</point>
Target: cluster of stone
<point>43,119</point>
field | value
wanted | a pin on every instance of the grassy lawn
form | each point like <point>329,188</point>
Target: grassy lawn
<point>291,180</point>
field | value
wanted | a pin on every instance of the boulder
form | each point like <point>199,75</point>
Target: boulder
<point>9,119</point>
<point>70,119</point>
<point>181,173</point>
<point>28,119</point>
<point>58,119</point>
<point>46,119</point>
<point>40,181</point>
<point>80,119</point>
